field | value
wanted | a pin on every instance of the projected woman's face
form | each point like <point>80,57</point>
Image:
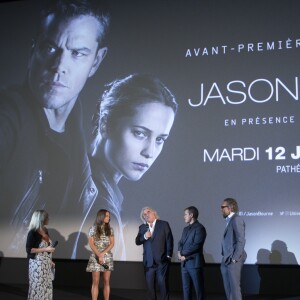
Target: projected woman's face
<point>135,142</point>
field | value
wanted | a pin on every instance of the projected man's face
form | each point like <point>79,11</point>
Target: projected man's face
<point>135,142</point>
<point>64,56</point>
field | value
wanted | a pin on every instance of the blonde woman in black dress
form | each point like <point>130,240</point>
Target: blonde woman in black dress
<point>39,251</point>
<point>101,241</point>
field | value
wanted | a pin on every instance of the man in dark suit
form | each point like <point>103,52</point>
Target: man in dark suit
<point>233,251</point>
<point>190,253</point>
<point>156,237</point>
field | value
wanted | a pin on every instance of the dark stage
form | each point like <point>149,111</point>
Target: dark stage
<point>72,282</point>
<point>19,292</point>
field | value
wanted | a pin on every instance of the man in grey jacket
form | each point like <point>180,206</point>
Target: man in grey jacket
<point>233,252</point>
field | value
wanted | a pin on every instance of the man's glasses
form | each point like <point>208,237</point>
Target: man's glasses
<point>223,206</point>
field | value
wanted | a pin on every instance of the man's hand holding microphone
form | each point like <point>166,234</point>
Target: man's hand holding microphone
<point>148,233</point>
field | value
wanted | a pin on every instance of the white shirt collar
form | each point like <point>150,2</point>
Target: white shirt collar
<point>230,215</point>
<point>153,226</point>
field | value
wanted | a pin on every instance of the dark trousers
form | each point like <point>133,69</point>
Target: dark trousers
<point>192,277</point>
<point>231,274</point>
<point>159,274</point>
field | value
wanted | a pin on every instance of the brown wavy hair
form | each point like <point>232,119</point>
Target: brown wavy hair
<point>101,227</point>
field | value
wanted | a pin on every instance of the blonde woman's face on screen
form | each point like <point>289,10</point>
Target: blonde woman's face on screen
<point>137,140</point>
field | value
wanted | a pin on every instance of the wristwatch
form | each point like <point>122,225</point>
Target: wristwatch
<point>234,261</point>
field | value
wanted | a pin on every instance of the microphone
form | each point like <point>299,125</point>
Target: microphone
<point>147,227</point>
<point>53,246</point>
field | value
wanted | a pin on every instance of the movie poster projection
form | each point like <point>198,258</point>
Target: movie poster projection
<point>232,69</point>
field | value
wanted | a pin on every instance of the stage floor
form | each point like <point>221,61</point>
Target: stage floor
<point>19,292</point>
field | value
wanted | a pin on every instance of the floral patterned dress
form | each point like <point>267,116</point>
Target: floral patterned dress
<point>41,275</point>
<point>101,243</point>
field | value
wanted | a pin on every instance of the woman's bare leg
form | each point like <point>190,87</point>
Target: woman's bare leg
<point>95,285</point>
<point>106,285</point>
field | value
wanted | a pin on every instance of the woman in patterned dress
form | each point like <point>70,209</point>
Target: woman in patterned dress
<point>101,241</point>
<point>39,251</point>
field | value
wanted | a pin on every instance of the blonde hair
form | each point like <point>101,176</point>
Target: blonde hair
<point>38,219</point>
<point>149,208</point>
